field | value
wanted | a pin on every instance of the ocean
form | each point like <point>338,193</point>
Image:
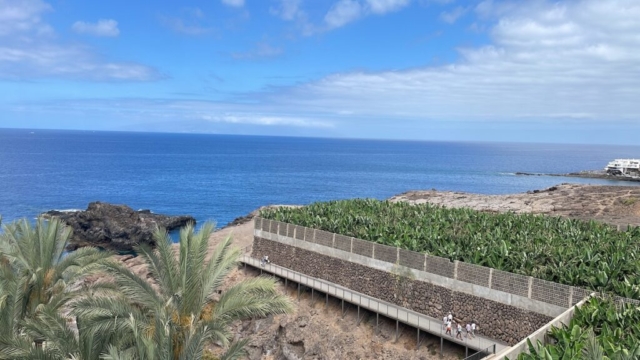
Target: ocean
<point>221,177</point>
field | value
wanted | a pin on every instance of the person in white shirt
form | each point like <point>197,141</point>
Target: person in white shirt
<point>448,328</point>
<point>473,329</point>
<point>459,332</point>
<point>444,322</point>
<point>468,328</point>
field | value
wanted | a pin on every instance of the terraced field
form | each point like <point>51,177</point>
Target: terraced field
<point>568,251</point>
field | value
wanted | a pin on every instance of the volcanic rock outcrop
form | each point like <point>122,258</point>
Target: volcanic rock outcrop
<point>115,227</point>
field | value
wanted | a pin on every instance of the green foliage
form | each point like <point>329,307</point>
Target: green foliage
<point>599,330</point>
<point>172,315</point>
<point>176,319</point>
<point>630,201</point>
<point>37,279</point>
<point>572,252</point>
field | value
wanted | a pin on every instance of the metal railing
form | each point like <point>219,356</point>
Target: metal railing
<point>406,316</point>
<point>482,353</point>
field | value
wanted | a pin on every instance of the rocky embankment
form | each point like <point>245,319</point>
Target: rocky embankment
<point>588,174</point>
<point>616,205</point>
<point>115,227</point>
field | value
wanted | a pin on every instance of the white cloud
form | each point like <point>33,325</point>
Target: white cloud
<point>288,10</point>
<point>262,50</point>
<point>339,14</point>
<point>385,6</point>
<point>191,21</point>
<point>234,3</point>
<point>22,17</point>
<point>547,60</point>
<point>29,50</point>
<point>346,11</point>
<point>452,16</point>
<point>177,112</point>
<point>72,62</point>
<point>265,120</point>
<point>101,28</point>
<point>343,12</point>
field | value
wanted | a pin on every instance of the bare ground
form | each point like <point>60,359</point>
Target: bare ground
<point>616,205</point>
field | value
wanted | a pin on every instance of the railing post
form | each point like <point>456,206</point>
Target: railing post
<point>397,325</point>
<point>570,296</point>
<point>530,286</point>
<point>455,269</point>
<point>490,277</point>
<point>425,262</point>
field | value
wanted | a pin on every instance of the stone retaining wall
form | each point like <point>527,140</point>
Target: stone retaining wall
<point>496,320</point>
<point>562,296</point>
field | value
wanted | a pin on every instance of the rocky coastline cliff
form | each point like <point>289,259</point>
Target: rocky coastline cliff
<point>116,227</point>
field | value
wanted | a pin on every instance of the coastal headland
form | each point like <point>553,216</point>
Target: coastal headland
<point>587,174</point>
<point>615,205</point>
<point>313,331</point>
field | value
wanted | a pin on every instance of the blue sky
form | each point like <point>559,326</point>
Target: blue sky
<point>539,71</point>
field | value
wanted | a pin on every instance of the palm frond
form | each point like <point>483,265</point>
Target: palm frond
<point>235,351</point>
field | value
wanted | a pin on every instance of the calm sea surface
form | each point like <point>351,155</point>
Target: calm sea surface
<point>221,177</point>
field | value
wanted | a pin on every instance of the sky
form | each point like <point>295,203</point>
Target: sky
<point>447,70</point>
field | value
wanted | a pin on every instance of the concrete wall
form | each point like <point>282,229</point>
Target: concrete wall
<point>497,320</point>
<point>539,335</point>
<point>512,288</point>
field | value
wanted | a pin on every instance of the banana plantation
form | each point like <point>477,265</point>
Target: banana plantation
<point>599,330</point>
<point>572,252</point>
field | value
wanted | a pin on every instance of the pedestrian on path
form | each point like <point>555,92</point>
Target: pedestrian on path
<point>459,332</point>
<point>473,328</point>
<point>448,328</point>
<point>444,322</point>
<point>468,328</point>
<point>264,260</point>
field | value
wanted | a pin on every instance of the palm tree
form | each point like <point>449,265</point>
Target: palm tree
<point>180,310</point>
<point>36,280</point>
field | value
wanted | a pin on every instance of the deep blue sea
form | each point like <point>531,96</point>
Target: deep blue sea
<point>221,177</point>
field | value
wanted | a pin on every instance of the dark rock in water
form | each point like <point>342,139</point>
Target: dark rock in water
<point>115,227</point>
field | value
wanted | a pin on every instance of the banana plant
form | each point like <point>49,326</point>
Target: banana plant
<point>572,252</point>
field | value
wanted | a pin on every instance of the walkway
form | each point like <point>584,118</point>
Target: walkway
<point>406,316</point>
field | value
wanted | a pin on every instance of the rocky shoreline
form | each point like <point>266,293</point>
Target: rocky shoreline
<point>615,205</point>
<point>115,227</point>
<point>587,174</point>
